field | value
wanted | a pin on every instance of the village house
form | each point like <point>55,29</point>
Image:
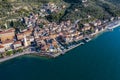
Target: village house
<point>98,22</point>
<point>30,38</point>
<point>112,18</point>
<point>85,3</point>
<point>8,34</point>
<point>96,30</point>
<point>20,36</point>
<point>86,27</point>
<point>2,49</point>
<point>119,17</point>
<point>8,44</point>
<point>64,6</point>
<point>80,37</point>
<point>51,48</point>
<point>17,44</point>
<point>94,24</point>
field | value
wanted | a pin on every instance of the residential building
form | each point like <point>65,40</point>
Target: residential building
<point>25,41</point>
<point>20,36</point>
<point>17,44</point>
<point>2,48</point>
<point>8,44</point>
<point>8,34</point>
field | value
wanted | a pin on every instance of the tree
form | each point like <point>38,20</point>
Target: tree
<point>41,25</point>
<point>11,24</point>
<point>14,51</point>
<point>80,26</point>
<point>20,50</point>
<point>1,55</point>
<point>2,27</point>
<point>8,53</point>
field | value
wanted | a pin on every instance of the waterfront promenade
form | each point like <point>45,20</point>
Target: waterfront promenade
<point>34,52</point>
<point>11,57</point>
<point>16,55</point>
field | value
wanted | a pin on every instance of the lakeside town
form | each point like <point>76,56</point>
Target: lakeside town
<point>50,39</point>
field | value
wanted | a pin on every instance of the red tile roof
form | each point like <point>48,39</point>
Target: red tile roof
<point>17,42</point>
<point>7,42</point>
<point>1,46</point>
<point>7,31</point>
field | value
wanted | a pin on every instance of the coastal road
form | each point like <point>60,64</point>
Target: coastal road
<point>27,51</point>
<point>13,56</point>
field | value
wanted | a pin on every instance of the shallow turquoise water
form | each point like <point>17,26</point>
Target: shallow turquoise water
<point>96,60</point>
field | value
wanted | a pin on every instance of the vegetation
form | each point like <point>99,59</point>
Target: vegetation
<point>11,52</point>
<point>20,50</point>
<point>96,9</point>
<point>55,17</point>
<point>1,56</point>
<point>8,53</point>
<point>99,9</point>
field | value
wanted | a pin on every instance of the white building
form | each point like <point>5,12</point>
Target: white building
<point>25,41</point>
<point>8,44</point>
<point>17,44</point>
<point>2,49</point>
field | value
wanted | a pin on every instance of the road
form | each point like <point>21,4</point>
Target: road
<point>27,51</point>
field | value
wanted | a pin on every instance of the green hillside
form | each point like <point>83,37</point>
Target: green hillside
<point>101,9</point>
<point>92,9</point>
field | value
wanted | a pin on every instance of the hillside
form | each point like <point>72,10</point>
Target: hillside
<point>76,9</point>
<point>15,9</point>
<point>101,9</point>
<point>115,1</point>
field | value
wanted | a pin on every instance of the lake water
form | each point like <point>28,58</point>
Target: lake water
<point>96,60</point>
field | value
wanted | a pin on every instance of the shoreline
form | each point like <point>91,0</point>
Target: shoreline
<point>11,57</point>
<point>64,51</point>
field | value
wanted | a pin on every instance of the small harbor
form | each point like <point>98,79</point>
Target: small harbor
<point>63,48</point>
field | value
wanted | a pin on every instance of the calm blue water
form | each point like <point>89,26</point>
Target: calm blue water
<point>96,60</point>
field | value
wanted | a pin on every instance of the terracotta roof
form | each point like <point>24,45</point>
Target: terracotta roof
<point>20,34</point>
<point>1,46</point>
<point>24,33</point>
<point>7,31</point>
<point>17,42</point>
<point>7,42</point>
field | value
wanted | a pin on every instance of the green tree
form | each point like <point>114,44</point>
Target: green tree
<point>20,50</point>
<point>8,53</point>
<point>80,26</point>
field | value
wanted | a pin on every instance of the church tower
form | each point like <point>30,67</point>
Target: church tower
<point>25,41</point>
<point>35,34</point>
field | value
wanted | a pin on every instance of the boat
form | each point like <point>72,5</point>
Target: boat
<point>82,43</point>
<point>87,39</point>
